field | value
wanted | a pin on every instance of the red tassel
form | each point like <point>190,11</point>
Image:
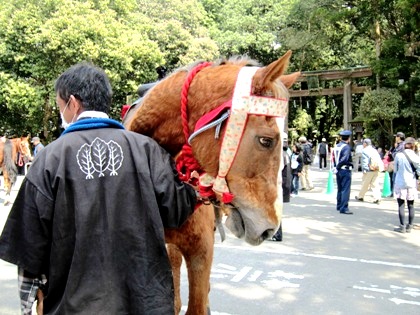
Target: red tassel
<point>227,197</point>
<point>206,191</point>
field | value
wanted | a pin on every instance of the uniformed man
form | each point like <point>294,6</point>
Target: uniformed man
<point>342,168</point>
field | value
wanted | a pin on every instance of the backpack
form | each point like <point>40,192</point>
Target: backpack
<point>307,157</point>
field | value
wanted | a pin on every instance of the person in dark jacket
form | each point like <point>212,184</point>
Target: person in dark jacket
<point>398,147</point>
<point>323,152</point>
<point>296,162</point>
<point>90,215</point>
<point>343,166</point>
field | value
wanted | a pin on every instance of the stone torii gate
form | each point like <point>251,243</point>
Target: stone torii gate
<point>314,78</point>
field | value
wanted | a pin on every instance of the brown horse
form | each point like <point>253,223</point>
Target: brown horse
<point>252,196</point>
<point>13,153</point>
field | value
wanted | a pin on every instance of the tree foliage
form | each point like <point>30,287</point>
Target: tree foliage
<point>39,39</point>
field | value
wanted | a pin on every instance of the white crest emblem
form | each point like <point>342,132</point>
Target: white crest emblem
<point>99,157</point>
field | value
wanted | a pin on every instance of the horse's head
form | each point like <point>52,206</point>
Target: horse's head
<point>253,177</point>
<point>24,147</point>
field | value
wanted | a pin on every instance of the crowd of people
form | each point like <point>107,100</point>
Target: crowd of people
<point>401,161</point>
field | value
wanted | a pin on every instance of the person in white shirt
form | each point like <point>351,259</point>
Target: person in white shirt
<point>371,166</point>
<point>358,148</point>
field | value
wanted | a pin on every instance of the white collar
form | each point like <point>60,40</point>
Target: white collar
<point>92,114</point>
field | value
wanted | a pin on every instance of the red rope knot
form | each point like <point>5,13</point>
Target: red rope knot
<point>186,164</point>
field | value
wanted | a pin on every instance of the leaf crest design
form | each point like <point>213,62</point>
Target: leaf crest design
<point>84,160</point>
<point>100,156</point>
<point>116,157</point>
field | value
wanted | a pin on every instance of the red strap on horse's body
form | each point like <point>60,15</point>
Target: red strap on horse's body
<point>186,162</point>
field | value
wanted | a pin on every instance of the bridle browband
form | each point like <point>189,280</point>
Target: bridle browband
<point>236,111</point>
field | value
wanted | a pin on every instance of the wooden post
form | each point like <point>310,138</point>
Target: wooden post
<point>347,104</point>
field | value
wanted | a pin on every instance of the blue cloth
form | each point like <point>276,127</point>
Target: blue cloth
<point>38,148</point>
<point>342,160</point>
<point>343,189</point>
<point>342,155</point>
<point>93,123</point>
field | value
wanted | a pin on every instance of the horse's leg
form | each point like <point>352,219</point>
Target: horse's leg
<point>198,255</point>
<point>199,267</point>
<point>175,257</point>
<point>195,240</point>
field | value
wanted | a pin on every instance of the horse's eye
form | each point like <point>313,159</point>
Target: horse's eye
<point>266,142</point>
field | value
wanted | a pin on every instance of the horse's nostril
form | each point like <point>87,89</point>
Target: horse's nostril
<point>267,233</point>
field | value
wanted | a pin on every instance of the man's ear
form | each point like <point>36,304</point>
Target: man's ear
<point>74,104</point>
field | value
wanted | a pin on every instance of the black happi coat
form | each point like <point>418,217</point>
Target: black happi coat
<point>91,215</point>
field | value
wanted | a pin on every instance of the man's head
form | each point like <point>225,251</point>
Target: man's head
<point>324,140</point>
<point>35,140</point>
<point>302,139</point>
<point>345,135</point>
<point>367,142</point>
<point>83,87</point>
<point>409,143</point>
<point>399,136</point>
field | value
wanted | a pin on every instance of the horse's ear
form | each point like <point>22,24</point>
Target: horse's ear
<point>270,73</point>
<point>289,79</point>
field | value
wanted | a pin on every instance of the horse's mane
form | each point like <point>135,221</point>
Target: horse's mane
<point>239,60</point>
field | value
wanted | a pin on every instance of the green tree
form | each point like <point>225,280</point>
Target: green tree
<point>379,108</point>
<point>180,28</point>
<point>249,27</point>
<point>41,38</point>
<point>394,27</point>
<point>302,122</point>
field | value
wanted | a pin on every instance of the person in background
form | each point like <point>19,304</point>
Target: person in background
<point>358,149</point>
<point>397,147</point>
<point>399,144</point>
<point>371,166</point>
<point>342,168</point>
<point>305,177</point>
<point>296,163</point>
<point>417,147</point>
<point>381,152</point>
<point>101,251</point>
<point>286,174</point>
<point>323,152</point>
<point>406,170</point>
<point>38,146</point>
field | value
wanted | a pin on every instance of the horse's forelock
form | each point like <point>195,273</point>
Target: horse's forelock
<point>280,90</point>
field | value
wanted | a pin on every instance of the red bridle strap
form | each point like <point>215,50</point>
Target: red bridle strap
<point>185,162</point>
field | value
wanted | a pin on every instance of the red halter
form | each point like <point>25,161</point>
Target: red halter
<point>186,163</point>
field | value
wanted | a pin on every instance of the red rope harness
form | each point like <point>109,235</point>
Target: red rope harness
<point>187,166</point>
<point>186,163</point>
